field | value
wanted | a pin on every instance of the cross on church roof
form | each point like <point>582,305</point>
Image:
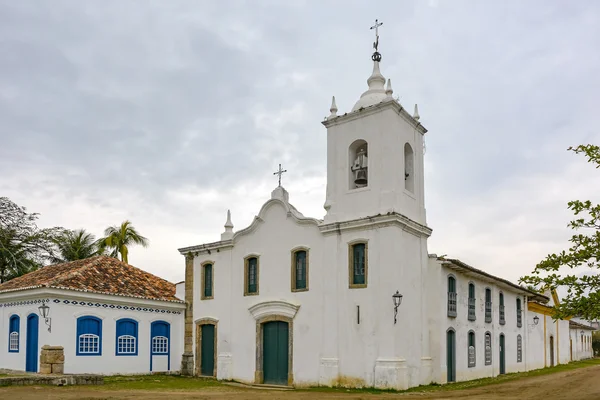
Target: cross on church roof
<point>280,172</point>
<point>376,27</point>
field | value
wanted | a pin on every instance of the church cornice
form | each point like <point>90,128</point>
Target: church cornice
<point>378,221</point>
<point>363,112</point>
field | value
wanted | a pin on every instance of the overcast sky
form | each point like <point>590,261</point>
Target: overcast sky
<point>168,113</point>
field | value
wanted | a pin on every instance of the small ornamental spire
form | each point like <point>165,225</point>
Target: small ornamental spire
<point>333,109</point>
<point>416,115</point>
<point>388,90</point>
<point>228,234</point>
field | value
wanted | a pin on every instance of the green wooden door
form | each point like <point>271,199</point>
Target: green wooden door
<point>207,352</point>
<point>451,356</point>
<point>502,356</point>
<point>275,353</point>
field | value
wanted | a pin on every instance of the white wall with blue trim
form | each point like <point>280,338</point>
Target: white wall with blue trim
<point>100,333</point>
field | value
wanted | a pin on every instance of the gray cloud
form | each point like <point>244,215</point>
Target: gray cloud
<point>168,113</point>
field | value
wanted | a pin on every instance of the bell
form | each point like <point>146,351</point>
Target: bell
<point>361,177</point>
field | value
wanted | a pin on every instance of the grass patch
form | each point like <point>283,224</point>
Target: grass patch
<point>157,382</point>
<point>435,387</point>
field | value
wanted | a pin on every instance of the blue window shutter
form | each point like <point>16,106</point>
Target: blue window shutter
<point>14,325</point>
<point>89,325</point>
<point>127,327</point>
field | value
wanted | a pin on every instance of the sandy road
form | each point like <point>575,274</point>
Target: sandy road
<point>583,383</point>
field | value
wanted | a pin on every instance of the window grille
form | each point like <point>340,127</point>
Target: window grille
<point>89,344</point>
<point>160,345</point>
<point>14,341</point>
<point>126,344</point>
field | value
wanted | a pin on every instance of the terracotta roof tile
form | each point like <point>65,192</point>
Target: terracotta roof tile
<point>100,274</point>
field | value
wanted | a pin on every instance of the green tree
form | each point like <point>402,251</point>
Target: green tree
<point>76,245</point>
<point>23,246</point>
<point>117,239</point>
<point>582,287</point>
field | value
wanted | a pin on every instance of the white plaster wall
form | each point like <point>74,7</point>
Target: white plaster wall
<point>581,351</point>
<point>386,132</point>
<point>329,345</point>
<point>462,326</point>
<point>64,332</point>
<point>535,341</point>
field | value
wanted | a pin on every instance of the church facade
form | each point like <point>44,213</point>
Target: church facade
<point>355,299</point>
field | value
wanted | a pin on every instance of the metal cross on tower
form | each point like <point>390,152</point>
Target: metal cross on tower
<point>280,172</point>
<point>376,27</point>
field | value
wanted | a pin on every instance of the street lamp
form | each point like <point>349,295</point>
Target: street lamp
<point>397,297</point>
<point>45,313</point>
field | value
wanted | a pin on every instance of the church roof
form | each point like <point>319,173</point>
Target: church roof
<point>100,274</point>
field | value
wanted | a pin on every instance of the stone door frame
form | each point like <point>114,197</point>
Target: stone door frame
<point>198,356</point>
<point>259,372</point>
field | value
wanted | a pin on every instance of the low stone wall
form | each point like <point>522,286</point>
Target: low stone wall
<point>52,380</point>
<point>52,360</point>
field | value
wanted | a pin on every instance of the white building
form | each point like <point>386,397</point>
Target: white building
<point>109,316</point>
<point>294,300</point>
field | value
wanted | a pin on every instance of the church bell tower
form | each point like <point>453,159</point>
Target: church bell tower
<point>374,155</point>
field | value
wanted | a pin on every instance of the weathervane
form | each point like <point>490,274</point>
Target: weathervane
<point>376,55</point>
<point>280,172</point>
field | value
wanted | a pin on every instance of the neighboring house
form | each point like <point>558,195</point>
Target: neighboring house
<point>580,339</point>
<point>109,316</point>
<point>355,299</point>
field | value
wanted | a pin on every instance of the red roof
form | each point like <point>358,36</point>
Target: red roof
<point>100,274</point>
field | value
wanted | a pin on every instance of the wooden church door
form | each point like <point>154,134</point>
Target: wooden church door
<point>275,352</point>
<point>207,361</point>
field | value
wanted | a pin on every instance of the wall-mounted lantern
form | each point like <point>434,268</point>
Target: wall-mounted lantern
<point>582,332</point>
<point>536,319</point>
<point>397,297</point>
<point>45,313</point>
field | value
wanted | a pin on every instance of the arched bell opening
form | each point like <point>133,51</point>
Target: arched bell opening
<point>359,166</point>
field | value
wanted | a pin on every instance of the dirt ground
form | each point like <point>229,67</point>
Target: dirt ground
<point>581,383</point>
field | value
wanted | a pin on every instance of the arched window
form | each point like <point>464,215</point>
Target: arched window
<point>358,264</point>
<point>502,317</point>
<point>488,348</point>
<point>409,170</point>
<point>519,316</point>
<point>161,333</point>
<point>488,305</point>
<point>471,349</point>
<point>359,166</point>
<point>207,281</point>
<point>451,296</point>
<point>13,333</point>
<point>519,348</point>
<point>251,276</point>
<point>89,336</point>
<point>127,337</point>
<point>299,270</point>
<point>471,315</point>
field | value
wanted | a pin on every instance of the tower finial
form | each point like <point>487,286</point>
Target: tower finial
<point>416,115</point>
<point>389,91</point>
<point>333,109</point>
<point>376,55</point>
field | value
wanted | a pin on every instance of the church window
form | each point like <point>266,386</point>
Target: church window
<point>409,170</point>
<point>89,336</point>
<point>207,281</point>
<point>519,348</point>
<point>488,348</point>
<point>452,296</point>
<point>488,305</point>
<point>13,334</point>
<point>471,349</point>
<point>471,315</point>
<point>358,264</point>
<point>519,316</point>
<point>299,270</point>
<point>127,334</point>
<point>251,276</point>
<point>160,332</point>
<point>502,316</point>
<point>359,165</point>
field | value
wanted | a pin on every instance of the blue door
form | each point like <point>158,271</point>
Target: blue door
<point>31,352</point>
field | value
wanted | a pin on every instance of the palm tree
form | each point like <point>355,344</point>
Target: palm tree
<point>76,245</point>
<point>118,238</point>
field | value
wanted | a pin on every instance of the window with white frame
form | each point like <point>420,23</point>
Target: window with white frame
<point>89,336</point>
<point>89,344</point>
<point>14,341</point>
<point>126,344</point>
<point>488,348</point>
<point>519,348</point>
<point>471,351</point>
<point>127,333</point>
<point>160,345</point>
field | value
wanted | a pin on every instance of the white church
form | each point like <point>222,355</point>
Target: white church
<point>355,299</point>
